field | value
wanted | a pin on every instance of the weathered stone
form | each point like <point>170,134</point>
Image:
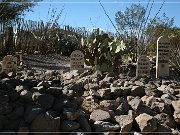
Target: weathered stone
<point>70,113</point>
<point>176,106</point>
<point>39,89</point>
<point>105,93</point>
<point>123,107</point>
<point>163,129</point>
<point>161,108</point>
<point>101,126</point>
<point>84,123</point>
<point>60,102</point>
<point>35,96</point>
<point>138,91</point>
<point>55,91</point>
<point>109,104</point>
<point>16,113</point>
<point>125,122</point>
<point>168,98</point>
<point>32,112</point>
<point>116,91</point>
<point>46,122</point>
<point>90,104</point>
<point>45,100</point>
<point>146,123</point>
<point>68,125</point>
<point>153,92</point>
<point>5,108</point>
<point>20,88</point>
<point>45,84</point>
<point>136,103</point>
<point>126,91</point>
<point>26,96</point>
<point>100,115</point>
<point>166,119</point>
<point>147,110</point>
<point>94,93</point>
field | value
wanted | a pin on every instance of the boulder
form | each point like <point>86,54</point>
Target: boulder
<point>138,91</point>
<point>46,122</point>
<point>101,126</point>
<point>100,115</point>
<point>45,100</point>
<point>146,123</point>
<point>68,125</point>
<point>105,93</point>
<point>123,106</point>
<point>70,113</point>
<point>136,103</point>
<point>84,124</point>
<point>125,122</point>
<point>176,106</point>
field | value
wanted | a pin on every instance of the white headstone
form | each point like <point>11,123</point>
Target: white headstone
<point>162,58</point>
<point>9,64</point>
<point>143,67</point>
<point>77,60</point>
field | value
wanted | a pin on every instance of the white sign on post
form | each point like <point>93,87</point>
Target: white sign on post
<point>162,58</point>
<point>77,60</point>
<point>143,67</point>
<point>9,64</point>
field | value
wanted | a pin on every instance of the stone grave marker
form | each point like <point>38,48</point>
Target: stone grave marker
<point>143,67</point>
<point>77,60</point>
<point>9,64</point>
<point>162,58</point>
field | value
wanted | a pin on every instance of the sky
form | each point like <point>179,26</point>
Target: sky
<point>89,13</point>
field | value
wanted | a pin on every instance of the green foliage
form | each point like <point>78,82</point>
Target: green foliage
<point>102,51</point>
<point>12,9</point>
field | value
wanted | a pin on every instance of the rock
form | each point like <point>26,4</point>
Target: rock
<point>35,96</point>
<point>90,104</point>
<point>153,92</point>
<point>101,126</point>
<point>94,93</point>
<point>168,98</point>
<point>146,123</point>
<point>166,120</point>
<point>176,106</point>
<point>4,99</point>
<point>125,122</point>
<point>45,100</point>
<point>123,107</point>
<point>84,125</point>
<point>150,100</point>
<point>70,113</point>
<point>126,91</point>
<point>100,115</point>
<point>39,89</point>
<point>26,96</point>
<point>68,125</point>
<point>46,122</point>
<point>147,110</point>
<point>105,93</point>
<point>5,108</point>
<point>32,112</point>
<point>136,103</point>
<point>116,91</point>
<point>55,91</point>
<point>60,102</point>
<point>161,108</point>
<point>109,104</point>
<point>45,84</point>
<point>138,91</point>
<point>163,129</point>
<point>16,113</point>
<point>20,88</point>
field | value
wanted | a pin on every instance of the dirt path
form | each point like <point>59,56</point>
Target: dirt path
<point>48,62</point>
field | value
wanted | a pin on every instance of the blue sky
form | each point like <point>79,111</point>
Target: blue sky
<point>89,13</point>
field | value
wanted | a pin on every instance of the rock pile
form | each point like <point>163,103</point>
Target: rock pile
<point>38,101</point>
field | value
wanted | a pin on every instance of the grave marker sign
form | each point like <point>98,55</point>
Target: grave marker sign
<point>9,64</point>
<point>143,67</point>
<point>162,58</point>
<point>77,60</point>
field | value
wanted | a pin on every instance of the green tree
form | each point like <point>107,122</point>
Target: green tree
<point>13,9</point>
<point>139,30</point>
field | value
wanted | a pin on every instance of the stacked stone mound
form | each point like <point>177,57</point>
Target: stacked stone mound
<point>38,101</point>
